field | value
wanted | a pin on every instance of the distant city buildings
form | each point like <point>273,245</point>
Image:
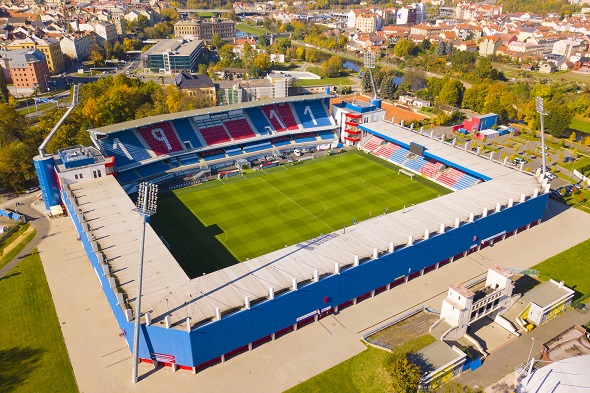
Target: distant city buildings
<point>49,46</point>
<point>205,29</point>
<point>176,55</point>
<point>24,67</point>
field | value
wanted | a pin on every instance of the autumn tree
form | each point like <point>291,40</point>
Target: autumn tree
<point>404,47</point>
<point>3,88</point>
<point>333,67</point>
<point>311,55</point>
<point>475,97</point>
<point>96,56</point>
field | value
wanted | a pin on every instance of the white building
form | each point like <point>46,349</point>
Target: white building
<point>350,114</point>
<point>76,46</point>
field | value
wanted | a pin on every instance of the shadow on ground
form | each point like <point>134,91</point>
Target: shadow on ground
<point>15,365</point>
<point>194,245</point>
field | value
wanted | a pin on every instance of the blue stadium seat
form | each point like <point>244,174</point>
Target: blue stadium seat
<point>399,155</point>
<point>416,163</point>
<point>326,135</point>
<point>257,146</point>
<point>149,170</point>
<point>464,182</point>
<point>127,176</point>
<point>312,114</point>
<point>307,137</point>
<point>215,157</point>
<point>258,119</point>
<point>189,160</point>
<point>186,132</point>
<point>125,147</point>
<point>233,151</point>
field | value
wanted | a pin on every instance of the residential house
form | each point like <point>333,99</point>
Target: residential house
<point>26,67</point>
<point>48,46</point>
<point>196,85</point>
<point>582,65</point>
<point>489,45</point>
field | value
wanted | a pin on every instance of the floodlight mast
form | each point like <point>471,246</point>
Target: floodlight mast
<point>147,200</point>
<point>541,110</point>
<point>370,65</point>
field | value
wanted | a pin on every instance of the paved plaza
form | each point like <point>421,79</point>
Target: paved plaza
<point>102,361</point>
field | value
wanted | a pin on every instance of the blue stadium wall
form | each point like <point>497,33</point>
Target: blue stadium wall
<point>204,345</point>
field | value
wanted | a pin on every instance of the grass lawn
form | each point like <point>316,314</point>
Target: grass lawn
<point>33,355</point>
<point>365,372</point>
<point>580,123</point>
<point>215,225</point>
<point>345,81</point>
<point>14,252</point>
<point>255,30</point>
<point>315,70</point>
<point>571,266</point>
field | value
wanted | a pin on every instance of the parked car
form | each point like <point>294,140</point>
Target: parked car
<point>569,159</point>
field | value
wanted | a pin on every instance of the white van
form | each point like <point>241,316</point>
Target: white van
<point>297,152</point>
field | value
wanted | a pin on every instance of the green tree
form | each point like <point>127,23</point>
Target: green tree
<point>216,41</point>
<point>558,121</point>
<point>500,101</point>
<point>388,88</point>
<point>452,93</point>
<point>475,97</point>
<point>3,88</point>
<point>405,375</point>
<point>333,67</point>
<point>483,68</point>
<point>404,47</point>
<point>366,84</point>
<point>226,55</point>
<point>170,15</point>
<point>16,165</point>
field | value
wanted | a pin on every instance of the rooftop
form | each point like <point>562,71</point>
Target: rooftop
<point>435,356</point>
<point>109,213</point>
<point>176,47</point>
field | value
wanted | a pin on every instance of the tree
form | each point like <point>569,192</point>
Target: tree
<point>170,15</point>
<point>311,55</point>
<point>452,93</point>
<point>454,387</point>
<point>301,53</point>
<point>500,101</point>
<point>413,80</point>
<point>16,165</point>
<point>333,67</point>
<point>405,374</point>
<point>404,47</point>
<point>226,55</point>
<point>216,41</point>
<point>262,62</point>
<point>575,152</point>
<point>475,97</point>
<point>573,136</point>
<point>366,84</point>
<point>96,56</point>
<point>558,121</point>
<point>388,88</point>
<point>3,88</point>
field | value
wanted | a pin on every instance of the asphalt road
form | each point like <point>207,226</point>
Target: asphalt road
<point>38,221</point>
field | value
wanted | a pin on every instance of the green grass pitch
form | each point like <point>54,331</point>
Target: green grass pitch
<point>215,225</point>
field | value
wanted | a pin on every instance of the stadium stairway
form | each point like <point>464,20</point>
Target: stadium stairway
<point>186,132</point>
<point>281,117</point>
<point>259,120</point>
<point>312,114</point>
<point>125,146</point>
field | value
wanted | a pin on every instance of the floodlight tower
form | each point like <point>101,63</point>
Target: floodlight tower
<point>541,110</point>
<point>147,200</point>
<point>370,64</point>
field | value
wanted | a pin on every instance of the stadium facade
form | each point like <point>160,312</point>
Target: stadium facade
<point>194,323</point>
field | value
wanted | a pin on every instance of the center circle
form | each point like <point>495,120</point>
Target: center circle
<point>302,208</point>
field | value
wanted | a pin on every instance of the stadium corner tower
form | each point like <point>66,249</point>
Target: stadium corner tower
<point>192,324</point>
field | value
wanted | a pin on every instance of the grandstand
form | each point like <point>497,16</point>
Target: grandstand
<point>210,318</point>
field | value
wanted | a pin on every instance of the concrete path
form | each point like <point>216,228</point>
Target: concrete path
<point>102,361</point>
<point>38,221</point>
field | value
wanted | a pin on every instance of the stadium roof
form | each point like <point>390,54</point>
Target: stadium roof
<point>566,376</point>
<point>197,112</point>
<point>109,213</point>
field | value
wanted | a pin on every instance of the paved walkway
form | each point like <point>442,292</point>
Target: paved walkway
<point>39,221</point>
<point>102,361</point>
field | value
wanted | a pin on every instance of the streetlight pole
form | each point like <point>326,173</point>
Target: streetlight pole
<point>531,351</point>
<point>146,206</point>
<point>541,110</point>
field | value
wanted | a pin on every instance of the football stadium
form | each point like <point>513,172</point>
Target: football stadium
<point>272,212</point>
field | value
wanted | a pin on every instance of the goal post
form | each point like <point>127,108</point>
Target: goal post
<point>404,172</point>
